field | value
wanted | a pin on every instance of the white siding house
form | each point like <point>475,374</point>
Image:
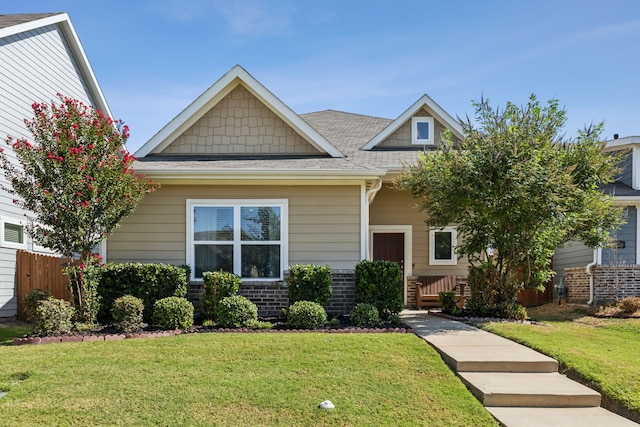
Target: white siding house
<point>40,55</point>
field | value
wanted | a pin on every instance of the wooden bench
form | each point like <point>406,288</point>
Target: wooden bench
<point>428,288</point>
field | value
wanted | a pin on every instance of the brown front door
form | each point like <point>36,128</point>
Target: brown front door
<point>389,247</point>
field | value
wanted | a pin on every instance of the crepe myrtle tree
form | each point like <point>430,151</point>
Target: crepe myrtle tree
<point>75,177</point>
<point>517,190</point>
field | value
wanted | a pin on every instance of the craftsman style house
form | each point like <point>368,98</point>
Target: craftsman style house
<point>40,55</point>
<point>252,187</point>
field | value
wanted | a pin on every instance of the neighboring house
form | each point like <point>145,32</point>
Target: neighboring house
<point>252,187</point>
<point>606,274</point>
<point>40,55</point>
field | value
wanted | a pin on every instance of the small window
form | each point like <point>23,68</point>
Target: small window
<point>13,235</point>
<point>422,130</point>
<point>442,246</point>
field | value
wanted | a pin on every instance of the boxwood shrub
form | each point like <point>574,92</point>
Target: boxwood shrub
<point>364,315</point>
<point>380,283</point>
<point>31,301</point>
<point>237,311</point>
<point>149,282</point>
<point>308,282</point>
<point>173,313</point>
<point>306,315</point>
<point>217,285</point>
<point>127,313</point>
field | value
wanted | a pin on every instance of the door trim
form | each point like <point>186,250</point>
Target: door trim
<point>407,230</point>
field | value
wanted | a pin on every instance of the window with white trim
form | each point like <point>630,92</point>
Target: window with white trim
<point>245,237</point>
<point>422,129</point>
<point>13,234</point>
<point>442,246</point>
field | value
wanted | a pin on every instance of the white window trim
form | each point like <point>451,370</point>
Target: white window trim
<point>283,204</point>
<point>13,245</point>
<point>414,131</point>
<point>432,246</point>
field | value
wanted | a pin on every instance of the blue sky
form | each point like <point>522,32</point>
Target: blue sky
<point>153,57</point>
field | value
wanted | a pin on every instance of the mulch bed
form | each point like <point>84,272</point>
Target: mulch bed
<point>108,333</point>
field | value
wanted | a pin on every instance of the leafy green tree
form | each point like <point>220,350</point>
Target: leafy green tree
<point>75,177</point>
<point>517,190</point>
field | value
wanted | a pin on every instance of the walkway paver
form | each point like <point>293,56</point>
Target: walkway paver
<point>518,385</point>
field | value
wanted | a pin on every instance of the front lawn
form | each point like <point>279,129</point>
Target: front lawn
<point>235,379</point>
<point>605,352</point>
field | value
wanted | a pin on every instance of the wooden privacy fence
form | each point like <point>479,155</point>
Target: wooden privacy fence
<point>35,271</point>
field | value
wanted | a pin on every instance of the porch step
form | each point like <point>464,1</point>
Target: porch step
<point>558,417</point>
<point>480,351</point>
<point>509,389</point>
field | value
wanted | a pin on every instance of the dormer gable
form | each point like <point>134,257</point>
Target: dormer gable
<point>237,115</point>
<point>421,125</point>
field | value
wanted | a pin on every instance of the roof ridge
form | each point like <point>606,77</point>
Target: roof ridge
<point>344,112</point>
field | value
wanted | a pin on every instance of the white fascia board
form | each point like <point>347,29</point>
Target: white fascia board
<point>439,113</point>
<point>63,21</point>
<point>215,93</point>
<point>625,200</point>
<point>270,174</point>
<point>621,143</point>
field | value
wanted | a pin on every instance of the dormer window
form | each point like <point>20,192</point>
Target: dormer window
<point>422,131</point>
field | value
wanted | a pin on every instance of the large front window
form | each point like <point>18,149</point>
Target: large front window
<point>244,237</point>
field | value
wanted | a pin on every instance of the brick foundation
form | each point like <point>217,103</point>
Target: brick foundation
<point>612,282</point>
<point>576,280</point>
<point>272,297</point>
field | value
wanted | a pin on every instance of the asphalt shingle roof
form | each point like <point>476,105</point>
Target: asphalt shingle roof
<point>17,19</point>
<point>346,131</point>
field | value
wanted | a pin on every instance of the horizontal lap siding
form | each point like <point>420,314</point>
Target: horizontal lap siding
<point>394,207</point>
<point>34,66</point>
<point>324,223</point>
<point>572,254</point>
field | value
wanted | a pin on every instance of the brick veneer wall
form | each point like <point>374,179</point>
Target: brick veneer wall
<point>272,297</point>
<point>612,282</point>
<point>615,282</point>
<point>576,280</point>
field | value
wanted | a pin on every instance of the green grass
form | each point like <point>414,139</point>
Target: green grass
<point>260,379</point>
<point>605,352</point>
<point>10,331</point>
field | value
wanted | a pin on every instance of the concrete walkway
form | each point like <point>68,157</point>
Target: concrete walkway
<point>519,386</point>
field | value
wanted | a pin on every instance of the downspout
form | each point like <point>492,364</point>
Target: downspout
<point>596,260</point>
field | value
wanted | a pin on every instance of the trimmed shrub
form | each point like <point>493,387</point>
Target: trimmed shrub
<point>217,285</point>
<point>514,311</point>
<point>149,282</point>
<point>173,313</point>
<point>237,312</point>
<point>308,282</point>
<point>449,302</point>
<point>127,313</point>
<point>31,301</point>
<point>306,315</point>
<point>54,317</point>
<point>380,283</point>
<point>365,315</point>
<point>630,305</point>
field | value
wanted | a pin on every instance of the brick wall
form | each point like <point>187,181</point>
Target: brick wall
<point>612,282</point>
<point>615,282</point>
<point>576,280</point>
<point>272,297</point>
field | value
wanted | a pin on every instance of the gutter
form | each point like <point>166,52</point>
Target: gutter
<point>596,259</point>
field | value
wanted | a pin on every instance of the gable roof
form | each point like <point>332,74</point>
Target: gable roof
<point>207,100</point>
<point>425,101</point>
<point>19,23</point>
